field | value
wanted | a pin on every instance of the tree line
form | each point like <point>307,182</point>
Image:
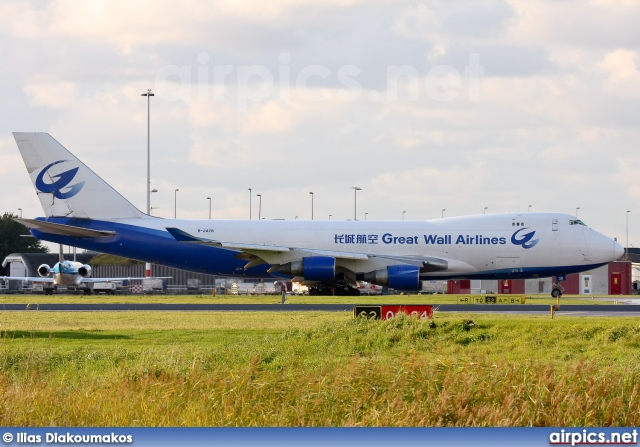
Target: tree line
<point>15,238</point>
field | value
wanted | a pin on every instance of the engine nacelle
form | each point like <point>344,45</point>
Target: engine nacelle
<point>402,277</point>
<point>315,268</point>
<point>44,270</point>
<point>85,271</point>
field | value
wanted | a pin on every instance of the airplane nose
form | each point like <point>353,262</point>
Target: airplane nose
<point>618,250</point>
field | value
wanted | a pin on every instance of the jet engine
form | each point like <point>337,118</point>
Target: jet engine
<point>315,268</point>
<point>403,277</point>
<point>44,270</point>
<point>85,271</point>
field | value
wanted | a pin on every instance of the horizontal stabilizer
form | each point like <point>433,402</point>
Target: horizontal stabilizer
<point>64,230</point>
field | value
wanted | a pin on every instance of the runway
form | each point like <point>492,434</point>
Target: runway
<point>534,309</point>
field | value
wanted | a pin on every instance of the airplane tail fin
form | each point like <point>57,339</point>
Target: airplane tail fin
<point>65,186</point>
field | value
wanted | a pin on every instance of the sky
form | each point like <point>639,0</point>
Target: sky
<point>463,106</point>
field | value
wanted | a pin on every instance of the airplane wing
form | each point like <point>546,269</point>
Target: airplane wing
<point>64,230</point>
<point>93,280</point>
<point>82,280</point>
<point>257,249</point>
<point>276,255</point>
<point>28,278</point>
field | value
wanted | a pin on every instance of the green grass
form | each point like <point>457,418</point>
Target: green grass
<point>316,369</point>
<point>275,299</point>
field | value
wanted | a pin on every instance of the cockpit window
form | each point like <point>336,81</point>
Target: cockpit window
<point>576,222</point>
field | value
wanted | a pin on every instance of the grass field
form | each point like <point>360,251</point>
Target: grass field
<point>275,299</point>
<point>316,369</point>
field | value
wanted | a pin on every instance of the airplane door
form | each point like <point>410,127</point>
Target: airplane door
<point>554,224</point>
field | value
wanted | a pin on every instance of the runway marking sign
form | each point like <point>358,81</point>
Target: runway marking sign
<point>390,311</point>
<point>491,299</point>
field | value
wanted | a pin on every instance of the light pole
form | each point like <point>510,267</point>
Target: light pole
<point>529,208</point>
<point>148,95</point>
<point>365,216</point>
<point>152,208</point>
<point>249,203</point>
<point>577,211</point>
<point>175,202</point>
<point>485,209</point>
<point>151,192</point>
<point>403,213</point>
<point>209,199</point>
<point>355,200</point>
<point>330,216</point>
<point>311,192</point>
<point>295,218</point>
<point>626,249</point>
<point>443,210</point>
<point>260,207</point>
<point>20,209</point>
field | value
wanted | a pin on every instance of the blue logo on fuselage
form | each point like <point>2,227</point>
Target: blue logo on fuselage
<point>63,180</point>
<point>525,239</point>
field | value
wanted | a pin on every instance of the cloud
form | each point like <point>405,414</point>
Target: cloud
<point>622,75</point>
<point>56,95</point>
<point>594,24</point>
<point>554,120</point>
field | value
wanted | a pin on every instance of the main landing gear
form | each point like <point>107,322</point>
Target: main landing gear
<point>556,287</point>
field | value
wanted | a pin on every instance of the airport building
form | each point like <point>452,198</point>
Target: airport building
<point>611,279</point>
<point>616,278</point>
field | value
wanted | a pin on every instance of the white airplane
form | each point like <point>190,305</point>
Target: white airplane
<point>82,210</point>
<point>68,274</point>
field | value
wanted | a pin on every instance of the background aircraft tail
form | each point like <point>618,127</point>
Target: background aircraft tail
<point>65,186</point>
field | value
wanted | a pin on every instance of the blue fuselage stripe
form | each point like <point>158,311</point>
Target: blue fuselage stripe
<point>150,245</point>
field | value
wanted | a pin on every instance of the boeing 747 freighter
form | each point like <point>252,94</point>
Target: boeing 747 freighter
<point>82,210</point>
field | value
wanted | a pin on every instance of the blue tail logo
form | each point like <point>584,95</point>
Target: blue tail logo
<point>525,239</point>
<point>63,180</point>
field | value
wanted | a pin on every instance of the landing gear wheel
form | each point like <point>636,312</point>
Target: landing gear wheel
<point>556,293</point>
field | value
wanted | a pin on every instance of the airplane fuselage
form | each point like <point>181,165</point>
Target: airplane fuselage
<point>67,273</point>
<point>524,245</point>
